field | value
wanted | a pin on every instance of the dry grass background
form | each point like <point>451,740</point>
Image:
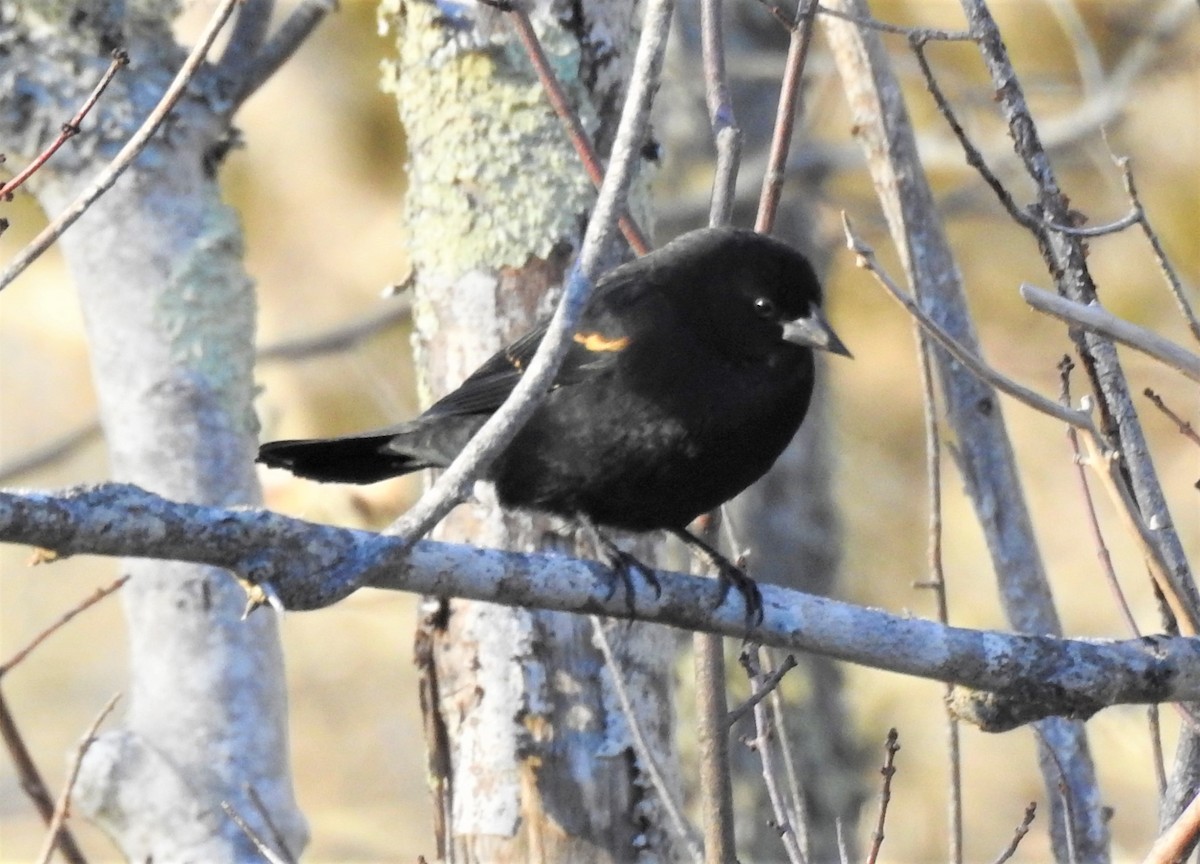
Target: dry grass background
<point>319,187</point>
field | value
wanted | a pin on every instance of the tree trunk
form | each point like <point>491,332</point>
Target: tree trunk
<point>530,756</point>
<point>169,313</point>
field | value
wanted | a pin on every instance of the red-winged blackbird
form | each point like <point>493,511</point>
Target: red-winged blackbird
<point>690,372</point>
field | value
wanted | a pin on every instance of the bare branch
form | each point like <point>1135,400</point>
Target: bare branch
<point>60,807</point>
<point>790,93</point>
<point>923,34</point>
<point>309,564</point>
<point>98,595</point>
<point>727,135</point>
<point>764,688</point>
<point>1177,842</point>
<point>260,845</point>
<point>865,258</point>
<point>937,578</point>
<point>580,139</point>
<point>279,48</point>
<point>890,748</point>
<point>764,733</point>
<point>1185,428</point>
<point>1094,317</point>
<point>32,783</point>
<point>106,178</point>
<point>449,488</point>
<point>70,129</point>
<point>1160,254</point>
<point>1019,834</point>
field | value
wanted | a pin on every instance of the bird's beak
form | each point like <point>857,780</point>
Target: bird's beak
<point>815,332</point>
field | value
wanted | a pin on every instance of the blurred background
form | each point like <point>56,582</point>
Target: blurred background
<point>319,184</point>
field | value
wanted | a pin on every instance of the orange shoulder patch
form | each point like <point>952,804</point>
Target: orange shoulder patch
<point>600,342</point>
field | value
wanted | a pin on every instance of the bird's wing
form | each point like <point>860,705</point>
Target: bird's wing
<point>595,347</point>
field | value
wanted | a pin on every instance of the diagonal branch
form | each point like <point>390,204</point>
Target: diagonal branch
<point>106,178</point>
<point>1094,317</point>
<point>500,428</point>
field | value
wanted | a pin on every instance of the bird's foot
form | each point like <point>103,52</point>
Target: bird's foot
<point>730,575</point>
<point>623,565</point>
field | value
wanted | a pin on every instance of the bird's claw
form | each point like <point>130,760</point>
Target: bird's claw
<point>623,565</point>
<point>729,575</point>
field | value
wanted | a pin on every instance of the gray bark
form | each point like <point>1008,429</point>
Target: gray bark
<point>987,462</point>
<point>169,313</point>
<point>530,753</point>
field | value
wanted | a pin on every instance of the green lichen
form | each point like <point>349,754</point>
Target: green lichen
<point>208,311</point>
<point>492,177</point>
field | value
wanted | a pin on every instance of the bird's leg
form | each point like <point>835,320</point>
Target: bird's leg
<point>728,575</point>
<point>619,561</point>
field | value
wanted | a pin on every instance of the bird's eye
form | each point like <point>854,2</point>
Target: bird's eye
<point>765,307</point>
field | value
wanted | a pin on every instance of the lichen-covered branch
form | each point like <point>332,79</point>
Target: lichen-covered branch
<point>1035,676</point>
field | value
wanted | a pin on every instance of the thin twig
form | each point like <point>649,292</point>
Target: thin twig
<point>107,177</point>
<point>708,650</point>
<point>1094,317</point>
<point>1106,562</point>
<point>712,739</point>
<point>579,137</point>
<point>1160,254</point>
<point>683,829</point>
<point>1177,842</point>
<point>1130,218</point>
<point>1106,565</point>
<point>763,735</point>
<point>1019,834</point>
<point>500,428</point>
<point>32,783</point>
<point>1106,463</point>
<point>69,129</point>
<point>1064,790</point>
<point>761,692</point>
<point>865,258</point>
<point>64,800</point>
<point>85,604</point>
<point>1185,428</point>
<point>264,813</point>
<point>726,133</point>
<point>260,845</point>
<point>924,34</point>
<point>974,157</point>
<point>798,812</point>
<point>890,747</point>
<point>790,94</point>
<point>937,580</point>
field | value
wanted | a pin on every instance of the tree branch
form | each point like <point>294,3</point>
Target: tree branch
<point>1046,675</point>
<point>106,178</point>
<point>500,428</point>
<point>1094,317</point>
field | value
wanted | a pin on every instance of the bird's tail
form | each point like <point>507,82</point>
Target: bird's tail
<point>352,459</point>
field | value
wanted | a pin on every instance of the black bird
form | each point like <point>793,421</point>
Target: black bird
<point>689,373</point>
